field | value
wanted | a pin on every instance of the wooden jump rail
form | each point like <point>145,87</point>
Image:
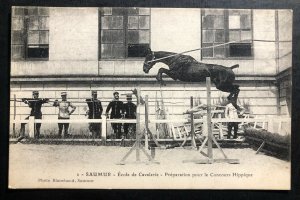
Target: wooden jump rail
<point>137,146</point>
<point>210,139</point>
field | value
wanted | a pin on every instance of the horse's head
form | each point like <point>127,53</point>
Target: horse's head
<point>148,64</point>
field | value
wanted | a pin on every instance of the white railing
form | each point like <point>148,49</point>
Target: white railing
<point>104,121</point>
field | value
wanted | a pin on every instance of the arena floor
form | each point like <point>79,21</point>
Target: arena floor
<point>86,166</point>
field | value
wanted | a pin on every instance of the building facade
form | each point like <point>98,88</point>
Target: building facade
<point>82,49</point>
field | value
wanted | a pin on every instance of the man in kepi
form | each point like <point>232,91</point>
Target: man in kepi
<point>64,113</point>
<point>130,113</point>
<point>35,104</point>
<point>116,107</point>
<point>94,112</point>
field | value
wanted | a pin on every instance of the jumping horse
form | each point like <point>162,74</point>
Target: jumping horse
<point>185,68</point>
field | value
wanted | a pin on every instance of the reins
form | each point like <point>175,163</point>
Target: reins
<point>154,60</point>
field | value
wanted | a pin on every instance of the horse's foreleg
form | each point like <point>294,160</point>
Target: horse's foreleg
<point>167,72</point>
<point>159,76</point>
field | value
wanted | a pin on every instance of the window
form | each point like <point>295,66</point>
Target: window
<point>124,32</point>
<point>30,33</point>
<point>222,26</point>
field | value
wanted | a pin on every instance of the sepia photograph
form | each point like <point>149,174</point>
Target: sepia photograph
<point>150,98</point>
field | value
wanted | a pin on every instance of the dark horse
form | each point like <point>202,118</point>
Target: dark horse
<point>186,68</point>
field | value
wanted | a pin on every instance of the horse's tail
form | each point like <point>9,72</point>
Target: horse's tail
<point>234,66</point>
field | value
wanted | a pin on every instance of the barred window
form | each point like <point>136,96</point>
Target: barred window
<point>124,32</point>
<point>222,26</point>
<point>30,33</point>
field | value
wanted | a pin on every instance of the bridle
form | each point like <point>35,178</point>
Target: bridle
<point>150,61</point>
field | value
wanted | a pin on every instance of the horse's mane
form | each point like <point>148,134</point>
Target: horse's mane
<point>185,59</point>
<point>178,59</point>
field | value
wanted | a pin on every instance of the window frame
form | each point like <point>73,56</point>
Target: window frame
<point>25,16</point>
<point>226,31</point>
<point>125,29</point>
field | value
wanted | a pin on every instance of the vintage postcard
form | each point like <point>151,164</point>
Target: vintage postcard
<point>150,98</point>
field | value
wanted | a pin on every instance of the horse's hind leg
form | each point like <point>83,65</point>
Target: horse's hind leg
<point>234,93</point>
<point>234,96</point>
<point>232,89</point>
<point>227,86</point>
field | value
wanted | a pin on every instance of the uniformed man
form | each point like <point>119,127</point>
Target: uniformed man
<point>231,112</point>
<point>130,113</point>
<point>35,104</point>
<point>94,112</point>
<point>116,107</point>
<point>64,113</point>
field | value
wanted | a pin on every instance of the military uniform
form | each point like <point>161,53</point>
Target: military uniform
<point>116,108</point>
<point>231,112</point>
<point>95,112</point>
<point>130,113</point>
<point>35,104</point>
<point>64,113</point>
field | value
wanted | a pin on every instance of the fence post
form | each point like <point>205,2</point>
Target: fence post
<point>263,125</point>
<point>209,124</point>
<point>193,142</point>
<point>31,127</point>
<point>279,126</point>
<point>146,122</point>
<point>138,126</point>
<point>204,126</point>
<point>103,127</point>
<point>220,127</point>
<point>271,125</point>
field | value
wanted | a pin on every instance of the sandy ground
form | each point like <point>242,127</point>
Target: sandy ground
<point>76,166</point>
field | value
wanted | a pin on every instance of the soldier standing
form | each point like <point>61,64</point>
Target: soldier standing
<point>231,112</point>
<point>64,113</point>
<point>94,112</point>
<point>35,104</point>
<point>130,113</point>
<point>116,107</point>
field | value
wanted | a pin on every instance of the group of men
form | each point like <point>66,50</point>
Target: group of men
<point>120,110</point>
<point>117,110</point>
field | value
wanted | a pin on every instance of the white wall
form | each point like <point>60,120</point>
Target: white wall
<point>73,34</point>
<point>50,68</point>
<point>176,30</point>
